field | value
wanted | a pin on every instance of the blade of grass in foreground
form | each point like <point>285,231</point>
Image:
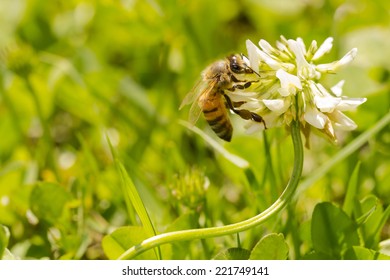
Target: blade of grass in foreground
<point>133,199</point>
<point>351,191</point>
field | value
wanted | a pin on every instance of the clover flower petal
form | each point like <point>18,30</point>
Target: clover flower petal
<point>350,103</point>
<point>342,121</point>
<point>323,49</point>
<point>289,83</point>
<point>337,89</point>
<point>334,66</point>
<point>326,104</point>
<point>315,118</point>
<point>276,105</point>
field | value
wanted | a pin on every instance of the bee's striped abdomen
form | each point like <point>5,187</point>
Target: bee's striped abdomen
<point>218,120</point>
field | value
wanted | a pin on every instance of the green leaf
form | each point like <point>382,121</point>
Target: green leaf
<point>185,221</point>
<point>385,217</point>
<point>48,201</point>
<point>4,238</point>
<point>366,216</point>
<point>332,231</point>
<point>123,238</point>
<point>361,253</point>
<point>270,247</point>
<point>133,198</point>
<point>365,209</point>
<point>233,254</point>
<point>350,197</point>
<point>373,218</point>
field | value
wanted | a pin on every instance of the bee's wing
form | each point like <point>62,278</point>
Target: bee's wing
<point>194,93</point>
<point>201,88</point>
<point>194,113</point>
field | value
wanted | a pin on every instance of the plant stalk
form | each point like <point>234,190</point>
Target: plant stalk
<point>203,233</point>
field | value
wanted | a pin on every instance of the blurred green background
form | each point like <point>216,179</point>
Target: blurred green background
<point>76,72</point>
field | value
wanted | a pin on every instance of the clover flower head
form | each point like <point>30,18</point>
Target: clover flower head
<point>289,87</point>
<point>189,188</point>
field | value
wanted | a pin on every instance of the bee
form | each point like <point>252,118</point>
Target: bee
<point>209,94</point>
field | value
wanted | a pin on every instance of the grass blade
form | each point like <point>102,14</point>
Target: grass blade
<point>351,191</point>
<point>133,199</point>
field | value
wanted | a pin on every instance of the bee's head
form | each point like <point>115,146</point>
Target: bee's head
<point>238,64</point>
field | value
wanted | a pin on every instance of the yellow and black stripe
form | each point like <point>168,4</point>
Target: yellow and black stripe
<point>219,122</point>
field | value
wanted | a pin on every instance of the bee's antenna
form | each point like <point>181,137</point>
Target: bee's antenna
<point>242,55</point>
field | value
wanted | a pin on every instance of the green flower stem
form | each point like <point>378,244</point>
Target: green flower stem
<point>271,211</point>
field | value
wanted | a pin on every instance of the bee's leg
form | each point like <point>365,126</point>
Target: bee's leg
<point>240,86</point>
<point>245,114</point>
<point>238,104</point>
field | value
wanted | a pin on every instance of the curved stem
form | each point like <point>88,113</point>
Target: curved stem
<point>191,234</point>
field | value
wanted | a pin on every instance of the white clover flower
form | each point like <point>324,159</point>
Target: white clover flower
<point>289,81</point>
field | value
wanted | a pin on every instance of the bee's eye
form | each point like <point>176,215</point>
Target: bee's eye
<point>235,66</point>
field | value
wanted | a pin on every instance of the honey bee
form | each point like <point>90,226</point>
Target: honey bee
<point>208,95</point>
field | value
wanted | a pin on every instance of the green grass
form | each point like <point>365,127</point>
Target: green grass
<point>76,73</point>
